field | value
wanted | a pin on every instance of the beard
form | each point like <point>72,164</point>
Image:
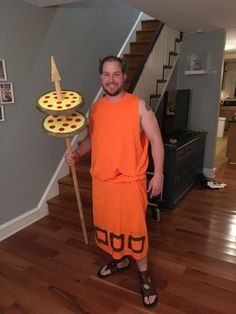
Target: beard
<point>115,92</point>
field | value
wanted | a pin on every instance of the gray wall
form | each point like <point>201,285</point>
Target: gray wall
<point>77,35</point>
<point>205,89</point>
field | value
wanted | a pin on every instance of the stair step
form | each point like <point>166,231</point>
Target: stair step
<point>67,209</point>
<point>66,187</point>
<point>131,73</point>
<point>127,85</point>
<point>161,81</point>
<point>133,59</point>
<point>168,68</point>
<point>138,47</point>
<point>178,40</point>
<point>144,35</point>
<point>155,96</point>
<point>173,53</point>
<point>150,24</point>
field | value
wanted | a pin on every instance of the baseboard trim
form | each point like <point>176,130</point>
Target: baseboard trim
<point>9,228</point>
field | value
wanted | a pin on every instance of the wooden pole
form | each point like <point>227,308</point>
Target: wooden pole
<point>55,77</point>
<point>77,193</point>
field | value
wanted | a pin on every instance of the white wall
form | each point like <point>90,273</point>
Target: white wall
<point>205,88</point>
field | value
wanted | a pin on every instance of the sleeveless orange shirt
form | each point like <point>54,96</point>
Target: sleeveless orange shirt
<point>119,148</point>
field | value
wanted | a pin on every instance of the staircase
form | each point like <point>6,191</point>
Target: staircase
<point>140,49</point>
<point>64,206</point>
<point>166,70</point>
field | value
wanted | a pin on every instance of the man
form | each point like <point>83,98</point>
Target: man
<point>120,126</point>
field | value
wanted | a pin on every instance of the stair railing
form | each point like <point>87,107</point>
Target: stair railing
<point>153,67</point>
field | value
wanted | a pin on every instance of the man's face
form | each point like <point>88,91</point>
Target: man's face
<point>112,78</point>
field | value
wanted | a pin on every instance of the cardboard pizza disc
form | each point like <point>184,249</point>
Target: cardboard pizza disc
<point>64,126</point>
<point>50,103</point>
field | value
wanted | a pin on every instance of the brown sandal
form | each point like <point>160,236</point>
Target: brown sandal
<point>147,288</point>
<point>113,267</point>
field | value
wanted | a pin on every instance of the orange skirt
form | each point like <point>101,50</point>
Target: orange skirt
<point>119,217</point>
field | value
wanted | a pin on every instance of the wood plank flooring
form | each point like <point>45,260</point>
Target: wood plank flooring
<point>47,269</point>
<point>220,152</point>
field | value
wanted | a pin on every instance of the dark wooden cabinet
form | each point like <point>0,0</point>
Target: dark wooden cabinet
<point>183,163</point>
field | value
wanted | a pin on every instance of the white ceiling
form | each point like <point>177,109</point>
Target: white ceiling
<point>184,15</point>
<point>48,3</point>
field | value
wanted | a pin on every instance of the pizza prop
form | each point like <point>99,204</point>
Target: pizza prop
<point>64,120</point>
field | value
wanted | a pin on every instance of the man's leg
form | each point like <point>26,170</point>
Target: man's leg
<point>145,280</point>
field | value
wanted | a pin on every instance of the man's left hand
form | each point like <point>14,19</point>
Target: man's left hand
<point>155,185</point>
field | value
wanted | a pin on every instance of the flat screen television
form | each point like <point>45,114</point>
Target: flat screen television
<point>176,105</point>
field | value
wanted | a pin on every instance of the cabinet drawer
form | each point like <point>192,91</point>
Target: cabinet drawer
<point>188,151</point>
<point>180,154</point>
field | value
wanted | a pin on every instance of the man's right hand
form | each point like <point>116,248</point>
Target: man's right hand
<point>70,158</point>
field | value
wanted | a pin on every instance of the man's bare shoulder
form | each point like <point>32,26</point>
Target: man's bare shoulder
<point>144,107</point>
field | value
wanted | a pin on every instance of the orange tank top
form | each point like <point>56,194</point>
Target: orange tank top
<point>119,148</point>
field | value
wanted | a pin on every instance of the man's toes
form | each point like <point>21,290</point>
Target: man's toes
<point>150,300</point>
<point>104,271</point>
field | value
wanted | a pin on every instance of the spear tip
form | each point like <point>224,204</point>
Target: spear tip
<point>55,76</point>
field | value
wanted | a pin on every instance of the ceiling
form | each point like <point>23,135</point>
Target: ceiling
<point>48,3</point>
<point>184,15</point>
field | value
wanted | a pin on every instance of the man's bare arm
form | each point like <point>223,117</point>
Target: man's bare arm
<point>150,127</point>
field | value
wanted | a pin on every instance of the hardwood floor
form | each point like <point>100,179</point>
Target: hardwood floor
<point>47,269</point>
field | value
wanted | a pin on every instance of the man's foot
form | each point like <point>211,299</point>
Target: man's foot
<point>148,290</point>
<point>113,267</point>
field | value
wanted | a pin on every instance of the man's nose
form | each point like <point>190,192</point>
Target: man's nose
<point>111,78</point>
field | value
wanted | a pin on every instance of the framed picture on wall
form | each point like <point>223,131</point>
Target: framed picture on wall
<point>3,72</point>
<point>2,117</point>
<point>196,63</point>
<point>6,93</point>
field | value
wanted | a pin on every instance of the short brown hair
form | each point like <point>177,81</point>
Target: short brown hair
<point>123,64</point>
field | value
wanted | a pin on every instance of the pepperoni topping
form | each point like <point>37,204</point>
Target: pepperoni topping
<point>61,129</point>
<point>59,107</point>
<point>77,120</point>
<point>65,124</point>
<point>52,126</point>
<point>50,121</point>
<point>73,126</point>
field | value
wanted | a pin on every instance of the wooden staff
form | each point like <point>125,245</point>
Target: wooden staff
<point>55,77</point>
